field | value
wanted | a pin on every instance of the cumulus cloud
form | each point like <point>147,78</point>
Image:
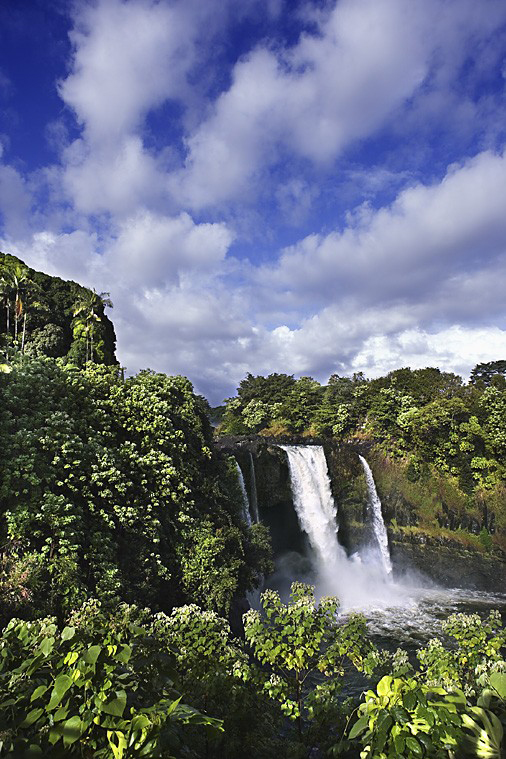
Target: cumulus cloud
<point>15,200</point>
<point>128,58</point>
<point>367,59</point>
<point>329,89</point>
<point>409,250</point>
<point>112,179</point>
<point>457,349</point>
<point>153,251</point>
<point>402,285</point>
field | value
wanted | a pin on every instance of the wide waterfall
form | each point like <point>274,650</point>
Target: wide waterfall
<point>380,530</point>
<point>253,489</point>
<point>356,584</point>
<point>313,501</point>
<point>245,499</point>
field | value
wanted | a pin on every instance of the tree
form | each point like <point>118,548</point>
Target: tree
<point>102,685</point>
<point>14,284</point>
<point>47,341</point>
<point>485,372</point>
<point>50,300</point>
<point>5,294</point>
<point>271,389</point>
<point>301,403</point>
<point>334,407</point>
<point>452,705</point>
<point>211,666</point>
<point>19,280</point>
<point>294,641</point>
<point>87,315</point>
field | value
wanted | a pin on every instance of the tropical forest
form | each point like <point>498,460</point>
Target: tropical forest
<point>307,570</point>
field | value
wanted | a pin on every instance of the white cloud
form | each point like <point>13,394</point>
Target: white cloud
<point>404,285</point>
<point>153,251</point>
<point>116,178</point>
<point>409,250</point>
<point>15,201</point>
<point>331,88</point>
<point>456,349</point>
<point>334,87</point>
<point>128,58</point>
<point>71,256</point>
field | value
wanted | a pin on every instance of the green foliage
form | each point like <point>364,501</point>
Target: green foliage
<point>211,667</point>
<point>37,314</point>
<point>486,539</point>
<point>87,325</point>
<point>269,390</point>
<point>47,341</point>
<point>257,405</point>
<point>255,414</point>
<point>486,373</point>
<point>405,718</point>
<point>100,686</point>
<point>295,641</point>
<point>454,705</point>
<point>477,648</point>
<point>94,470</point>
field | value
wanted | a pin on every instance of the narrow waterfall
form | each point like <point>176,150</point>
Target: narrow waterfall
<point>377,517</point>
<point>356,584</point>
<point>245,499</point>
<point>253,489</point>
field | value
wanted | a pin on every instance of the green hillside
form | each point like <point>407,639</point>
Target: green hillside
<point>42,315</point>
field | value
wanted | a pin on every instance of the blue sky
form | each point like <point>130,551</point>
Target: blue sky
<point>264,185</point>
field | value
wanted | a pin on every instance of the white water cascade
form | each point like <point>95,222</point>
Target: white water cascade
<point>245,499</point>
<point>356,584</point>
<point>254,498</point>
<point>313,501</point>
<point>380,530</point>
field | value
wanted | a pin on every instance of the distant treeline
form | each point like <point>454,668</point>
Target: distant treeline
<point>425,415</point>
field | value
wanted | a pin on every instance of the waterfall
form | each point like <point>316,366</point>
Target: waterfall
<point>377,517</point>
<point>356,584</point>
<point>245,500</point>
<point>253,489</point>
<point>313,501</point>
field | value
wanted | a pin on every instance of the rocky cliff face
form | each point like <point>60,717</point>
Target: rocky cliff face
<point>432,529</point>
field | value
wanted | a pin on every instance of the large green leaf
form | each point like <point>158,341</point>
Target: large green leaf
<point>359,727</point>
<point>116,706</point>
<point>61,686</point>
<point>72,730</point>
<point>384,685</point>
<point>92,654</point>
<point>68,633</point>
<point>32,717</point>
<point>498,683</point>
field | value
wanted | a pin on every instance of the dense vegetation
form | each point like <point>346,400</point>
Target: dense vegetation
<point>112,488</point>
<point>107,685</point>
<point>46,316</point>
<point>124,558</point>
